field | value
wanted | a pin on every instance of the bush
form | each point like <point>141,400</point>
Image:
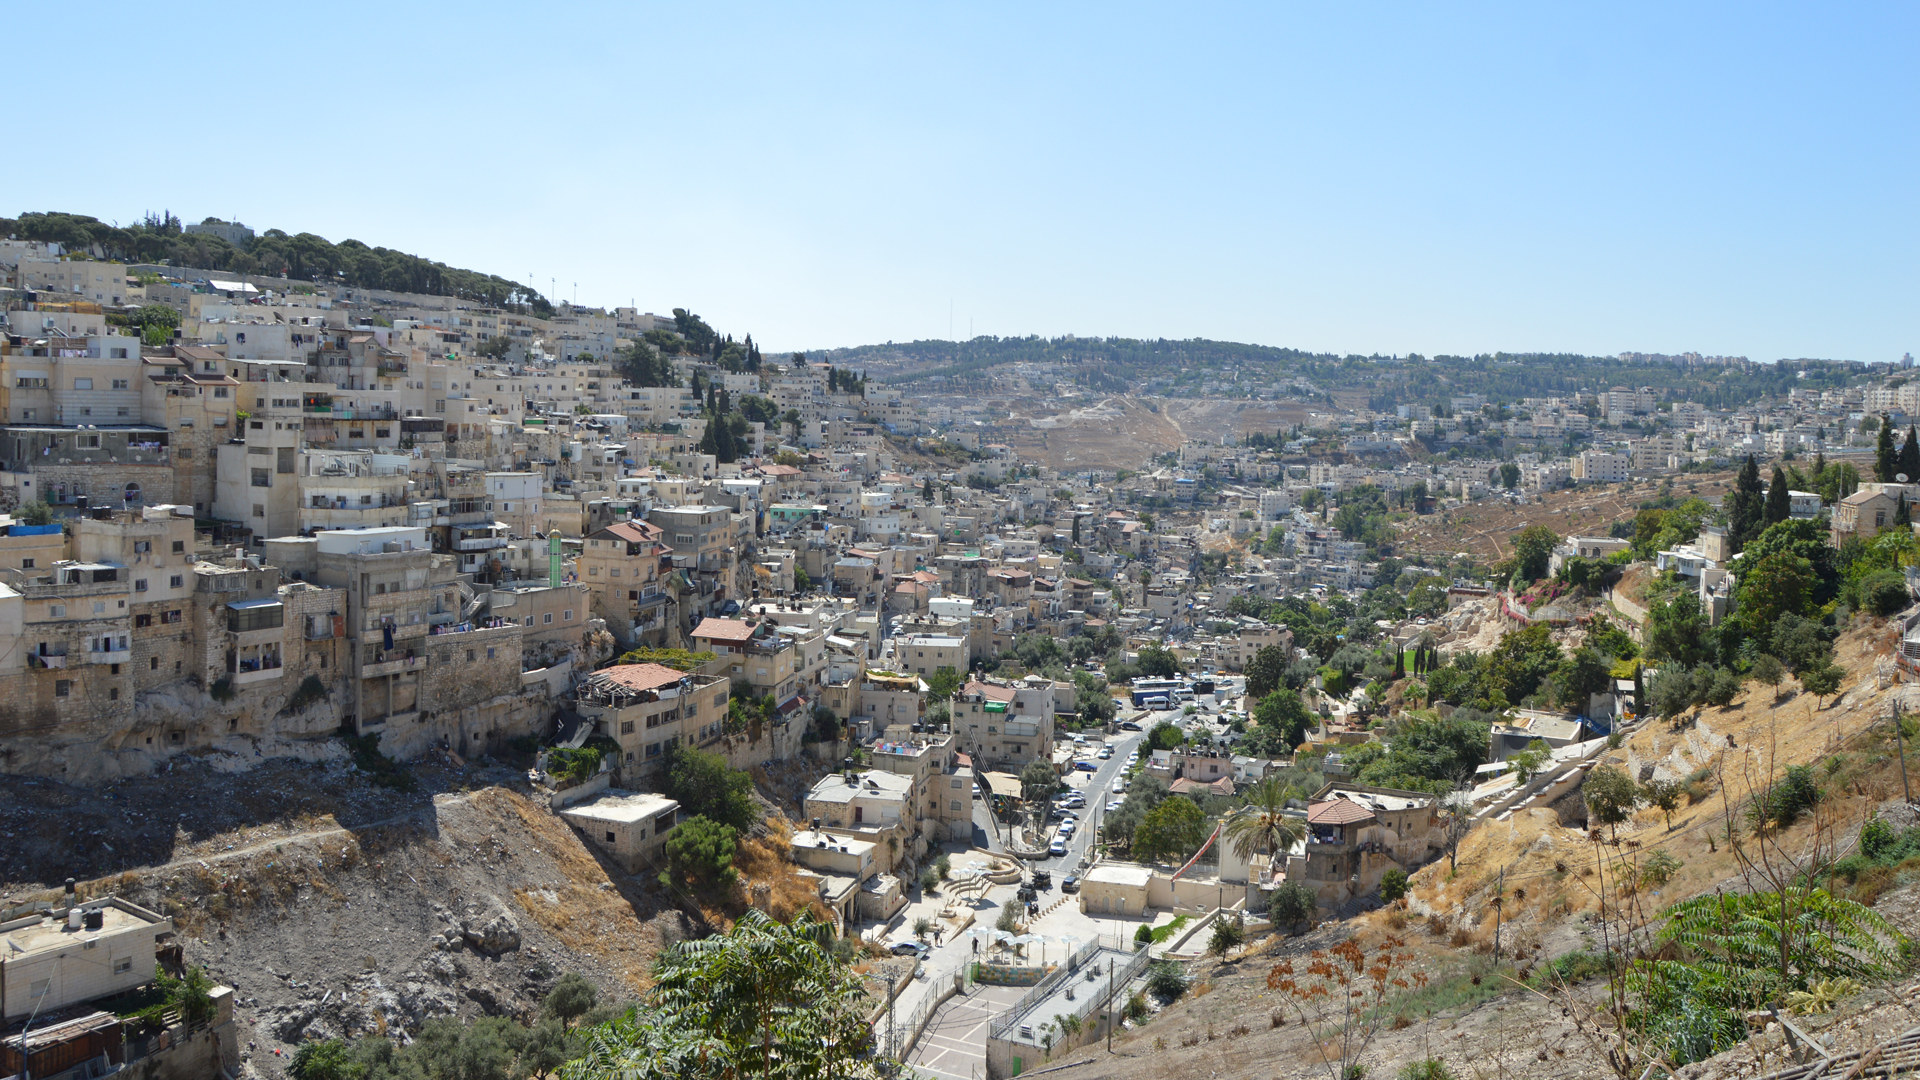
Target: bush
<point>571,997</point>
<point>1228,935</point>
<point>1782,804</point>
<point>929,879</point>
<point>310,690</point>
<point>1166,981</point>
<point>1430,1069</point>
<point>1293,904</point>
<point>1143,937</point>
<point>569,766</point>
<point>1393,885</point>
<point>1884,592</point>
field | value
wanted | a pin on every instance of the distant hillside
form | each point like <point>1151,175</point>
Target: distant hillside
<point>1181,368</point>
<point>302,256</point>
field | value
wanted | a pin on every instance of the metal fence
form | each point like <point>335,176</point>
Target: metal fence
<point>1039,991</point>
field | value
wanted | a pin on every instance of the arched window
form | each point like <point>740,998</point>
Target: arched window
<point>132,494</point>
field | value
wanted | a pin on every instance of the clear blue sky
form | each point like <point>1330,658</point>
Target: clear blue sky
<point>1361,178</point>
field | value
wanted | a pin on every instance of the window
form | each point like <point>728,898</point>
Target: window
<point>609,836</point>
<point>653,750</point>
<point>626,727</point>
<point>176,581</point>
<point>220,391</point>
<point>114,694</point>
<point>547,618</point>
<point>170,617</point>
<point>489,654</point>
<point>83,384</point>
<point>179,546</point>
<point>259,511</point>
<point>120,384</point>
<point>567,615</point>
<point>594,571</point>
<point>26,564</point>
<point>139,584</point>
<point>263,478</point>
<point>40,988</point>
<point>153,663</point>
<point>31,382</point>
<point>142,621</point>
<point>63,688</point>
<point>122,965</point>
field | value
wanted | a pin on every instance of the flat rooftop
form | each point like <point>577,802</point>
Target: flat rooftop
<point>25,936</point>
<point>623,807</point>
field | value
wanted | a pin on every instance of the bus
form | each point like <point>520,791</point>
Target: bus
<point>1161,690</point>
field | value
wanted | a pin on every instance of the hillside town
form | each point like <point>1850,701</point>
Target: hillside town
<point>1031,739</point>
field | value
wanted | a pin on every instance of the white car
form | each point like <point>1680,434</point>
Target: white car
<point>1114,805</point>
<point>1066,829</point>
<point>1119,784</point>
<point>1057,848</point>
<point>1106,752</point>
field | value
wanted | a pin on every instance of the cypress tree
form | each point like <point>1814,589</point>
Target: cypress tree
<point>1902,517</point>
<point>1909,463</point>
<point>1779,506</point>
<point>1885,461</point>
<point>1744,506</point>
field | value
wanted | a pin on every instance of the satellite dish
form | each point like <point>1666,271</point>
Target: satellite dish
<point>1902,477</point>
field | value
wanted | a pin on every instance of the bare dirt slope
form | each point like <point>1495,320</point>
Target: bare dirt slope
<point>366,910</point>
<point>1114,433</point>
<point>1485,529</point>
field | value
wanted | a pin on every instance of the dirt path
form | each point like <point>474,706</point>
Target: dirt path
<point>311,834</point>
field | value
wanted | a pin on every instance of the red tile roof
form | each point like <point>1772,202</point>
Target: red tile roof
<point>988,690</point>
<point>634,532</point>
<point>641,676</point>
<point>1337,812</point>
<point>723,630</point>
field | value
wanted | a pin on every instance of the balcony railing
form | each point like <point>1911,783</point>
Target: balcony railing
<point>393,667</point>
<point>480,543</point>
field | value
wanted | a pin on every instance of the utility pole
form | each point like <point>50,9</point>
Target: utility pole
<point>1900,744</point>
<point>1113,1013</point>
<point>1499,898</point>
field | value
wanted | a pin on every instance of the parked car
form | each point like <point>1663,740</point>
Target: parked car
<point>1128,725</point>
<point>1106,752</point>
<point>1115,805</point>
<point>1024,894</point>
<point>1087,766</point>
<point>1057,848</point>
<point>911,948</point>
<point>1119,784</point>
<point>1066,828</point>
<point>1070,883</point>
<point>1043,880</point>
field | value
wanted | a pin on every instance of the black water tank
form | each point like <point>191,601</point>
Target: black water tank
<point>94,919</point>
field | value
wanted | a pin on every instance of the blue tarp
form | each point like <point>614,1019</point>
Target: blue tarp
<point>33,530</point>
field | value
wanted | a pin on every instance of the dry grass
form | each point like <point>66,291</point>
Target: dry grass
<point>764,862</point>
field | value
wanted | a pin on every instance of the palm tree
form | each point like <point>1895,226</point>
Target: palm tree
<point>1262,824</point>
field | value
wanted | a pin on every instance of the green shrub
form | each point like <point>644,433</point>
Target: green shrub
<point>1228,935</point>
<point>570,766</point>
<point>221,690</point>
<point>1166,981</point>
<point>1792,795</point>
<point>1430,1069</point>
<point>1393,884</point>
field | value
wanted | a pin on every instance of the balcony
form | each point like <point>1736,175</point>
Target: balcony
<point>373,635</point>
<point>110,656</point>
<point>480,543</point>
<point>258,675</point>
<point>393,667</point>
